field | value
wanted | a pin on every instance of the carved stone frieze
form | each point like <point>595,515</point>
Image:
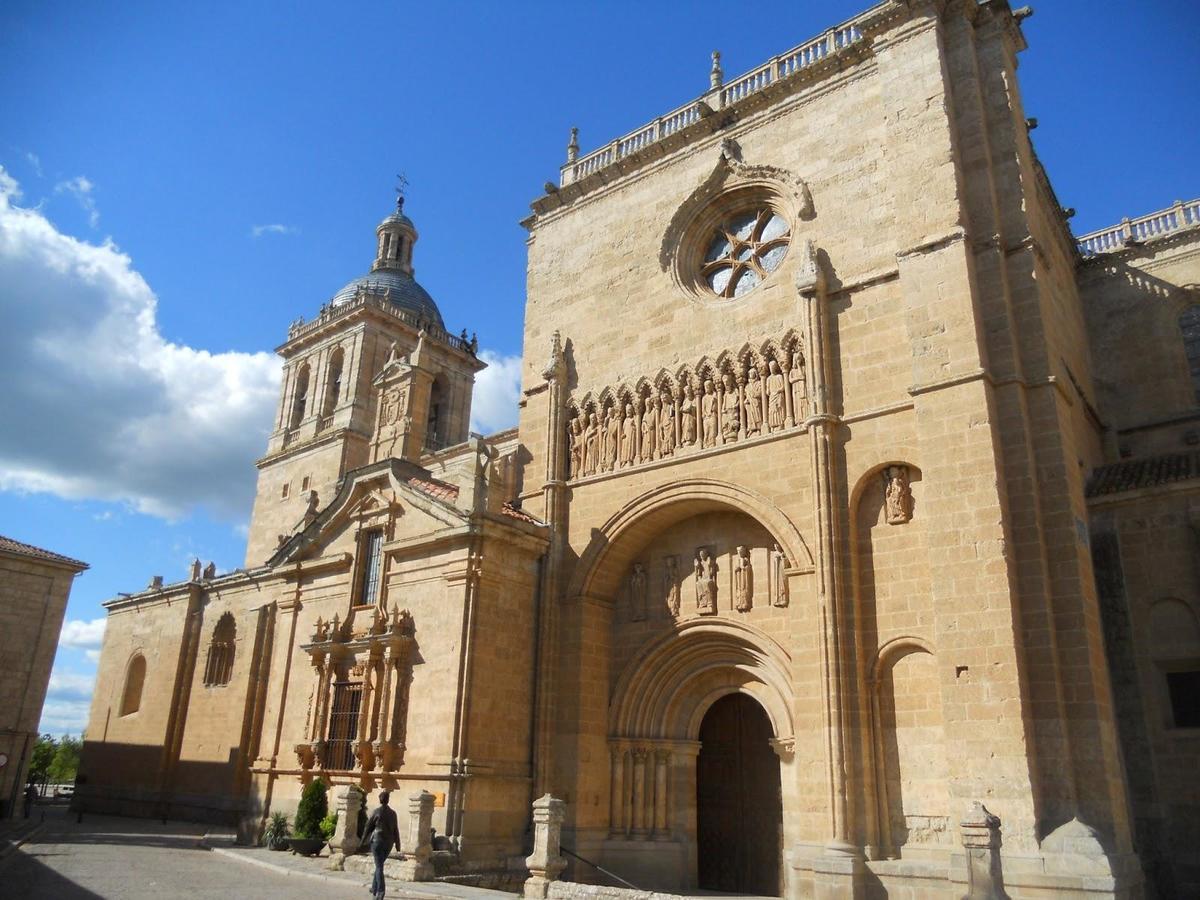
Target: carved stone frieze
<point>717,401</point>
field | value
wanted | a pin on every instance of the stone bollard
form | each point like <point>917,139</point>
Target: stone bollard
<point>348,801</point>
<point>981,838</point>
<point>416,865</point>
<point>545,864</point>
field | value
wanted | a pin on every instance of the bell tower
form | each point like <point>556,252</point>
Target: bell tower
<point>382,334</point>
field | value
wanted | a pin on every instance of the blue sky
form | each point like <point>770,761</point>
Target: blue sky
<point>183,180</point>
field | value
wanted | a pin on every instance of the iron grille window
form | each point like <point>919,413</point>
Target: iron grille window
<point>343,724</point>
<point>372,549</point>
<point>219,667</point>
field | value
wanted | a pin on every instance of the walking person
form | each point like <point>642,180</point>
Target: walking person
<point>30,798</point>
<point>383,833</point>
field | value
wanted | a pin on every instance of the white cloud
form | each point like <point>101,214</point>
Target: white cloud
<point>81,189</point>
<point>70,686</point>
<point>9,187</point>
<point>61,717</point>
<point>258,231</point>
<point>68,701</point>
<point>35,162</point>
<point>108,409</point>
<point>93,656</point>
<point>497,390</point>
<point>81,633</point>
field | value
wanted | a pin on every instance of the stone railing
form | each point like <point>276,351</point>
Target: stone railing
<point>380,298</point>
<point>1135,231</point>
<point>721,95</point>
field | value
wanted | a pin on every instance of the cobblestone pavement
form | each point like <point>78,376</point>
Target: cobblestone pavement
<point>131,859</point>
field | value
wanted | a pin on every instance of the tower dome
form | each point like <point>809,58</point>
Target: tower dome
<point>392,272</point>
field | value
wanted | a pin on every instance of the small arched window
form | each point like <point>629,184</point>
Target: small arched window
<point>219,668</point>
<point>135,678</point>
<point>1189,324</point>
<point>333,384</point>
<point>300,396</point>
<point>434,439</point>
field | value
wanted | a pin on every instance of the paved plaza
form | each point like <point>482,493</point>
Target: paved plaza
<point>131,859</point>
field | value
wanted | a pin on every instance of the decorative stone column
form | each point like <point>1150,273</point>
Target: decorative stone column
<point>546,863</point>
<point>348,802</point>
<point>981,838</point>
<point>616,812</point>
<point>417,847</point>
<point>639,829</point>
<point>662,761</point>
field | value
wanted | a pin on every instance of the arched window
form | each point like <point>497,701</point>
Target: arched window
<point>135,677</point>
<point>300,396</point>
<point>1189,324</point>
<point>333,384</point>
<point>220,652</point>
<point>434,439</point>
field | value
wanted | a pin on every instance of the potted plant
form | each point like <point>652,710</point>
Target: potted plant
<point>328,827</point>
<point>313,807</point>
<point>275,836</point>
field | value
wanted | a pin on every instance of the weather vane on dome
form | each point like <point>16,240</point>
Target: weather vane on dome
<point>401,187</point>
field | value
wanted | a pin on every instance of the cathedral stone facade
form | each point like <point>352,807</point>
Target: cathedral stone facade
<point>845,546</point>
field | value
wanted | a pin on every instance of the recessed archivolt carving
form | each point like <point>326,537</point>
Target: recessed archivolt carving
<point>754,391</point>
<point>618,543</point>
<point>674,679</point>
<point>731,184</point>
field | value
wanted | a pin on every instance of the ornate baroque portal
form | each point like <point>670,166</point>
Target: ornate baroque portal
<point>358,706</point>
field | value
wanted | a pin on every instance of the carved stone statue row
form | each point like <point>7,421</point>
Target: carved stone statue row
<point>721,408</point>
<point>705,570</point>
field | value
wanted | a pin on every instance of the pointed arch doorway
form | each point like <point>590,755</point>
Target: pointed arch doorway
<point>739,805</point>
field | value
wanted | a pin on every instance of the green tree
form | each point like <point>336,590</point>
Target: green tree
<point>314,806</point>
<point>41,758</point>
<point>66,760</point>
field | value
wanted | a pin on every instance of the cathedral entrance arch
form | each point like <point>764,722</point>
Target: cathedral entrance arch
<point>700,733</point>
<point>739,807</point>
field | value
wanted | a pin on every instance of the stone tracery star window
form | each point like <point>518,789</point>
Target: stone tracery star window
<point>745,248</point>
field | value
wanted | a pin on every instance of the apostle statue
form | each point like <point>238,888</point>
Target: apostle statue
<point>649,431</point>
<point>575,445</point>
<point>706,583</point>
<point>776,403</point>
<point>591,444</point>
<point>687,417</point>
<point>743,581</point>
<point>637,593</point>
<point>666,424</point>
<point>709,414</point>
<point>754,402</point>
<point>671,584</point>
<point>629,433</point>
<point>731,411</point>
<point>612,443</point>
<point>799,388</point>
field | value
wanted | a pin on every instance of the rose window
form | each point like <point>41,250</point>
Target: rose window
<point>745,248</point>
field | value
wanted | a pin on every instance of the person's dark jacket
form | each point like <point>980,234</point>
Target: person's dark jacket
<point>383,825</point>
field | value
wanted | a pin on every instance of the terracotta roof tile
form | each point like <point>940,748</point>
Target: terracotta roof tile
<point>8,545</point>
<point>1135,474</point>
<point>509,510</point>
<point>439,490</point>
